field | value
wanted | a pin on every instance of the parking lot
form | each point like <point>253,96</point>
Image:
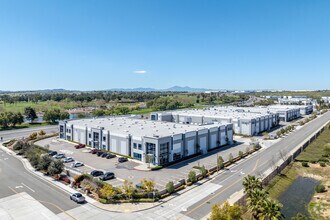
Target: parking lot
<point>128,170</point>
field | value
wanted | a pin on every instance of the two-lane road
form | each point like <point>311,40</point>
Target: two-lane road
<point>231,180</point>
<point>25,132</point>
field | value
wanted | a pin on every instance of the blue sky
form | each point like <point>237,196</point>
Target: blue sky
<point>94,45</point>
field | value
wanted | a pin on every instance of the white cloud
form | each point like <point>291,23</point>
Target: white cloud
<point>140,71</point>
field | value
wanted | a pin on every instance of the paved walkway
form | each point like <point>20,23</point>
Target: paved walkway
<point>22,206</point>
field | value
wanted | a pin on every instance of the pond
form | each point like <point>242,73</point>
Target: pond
<point>296,198</point>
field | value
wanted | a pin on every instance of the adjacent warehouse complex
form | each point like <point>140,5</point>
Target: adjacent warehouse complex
<point>160,142</point>
<point>247,123</point>
<point>246,120</point>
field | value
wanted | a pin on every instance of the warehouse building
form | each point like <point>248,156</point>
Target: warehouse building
<point>246,123</point>
<point>162,142</point>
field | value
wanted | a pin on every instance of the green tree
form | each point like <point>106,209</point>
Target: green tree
<point>128,189</point>
<point>170,187</point>
<point>272,209</point>
<point>55,167</point>
<point>240,154</point>
<point>220,162</point>
<point>192,176</point>
<point>148,185</point>
<point>44,162</point>
<point>203,171</point>
<point>230,158</point>
<point>30,114</point>
<point>250,183</point>
<point>226,212</point>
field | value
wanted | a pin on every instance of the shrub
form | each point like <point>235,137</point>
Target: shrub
<point>34,160</point>
<point>247,150</point>
<point>304,164</point>
<point>192,176</point>
<point>320,188</point>
<point>322,164</point>
<point>107,191</point>
<point>170,187</point>
<point>17,146</point>
<point>156,168</point>
<point>33,136</point>
<point>42,133</point>
<point>103,201</point>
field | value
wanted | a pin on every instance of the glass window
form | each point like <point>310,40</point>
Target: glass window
<point>140,146</point>
<point>137,156</point>
<point>89,135</point>
<point>134,145</point>
<point>104,138</point>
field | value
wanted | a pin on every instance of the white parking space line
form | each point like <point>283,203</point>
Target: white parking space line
<point>28,187</point>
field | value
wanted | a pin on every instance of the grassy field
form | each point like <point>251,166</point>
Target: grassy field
<point>315,150</point>
<point>39,106</point>
<point>319,207</point>
<point>281,182</point>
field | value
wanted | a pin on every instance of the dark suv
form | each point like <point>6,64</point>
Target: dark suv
<point>122,159</point>
<point>96,173</point>
<point>107,176</point>
<point>99,153</point>
<point>109,156</point>
<point>52,153</point>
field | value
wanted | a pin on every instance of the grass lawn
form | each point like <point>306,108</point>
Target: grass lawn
<point>39,106</point>
<point>281,182</point>
<point>315,150</point>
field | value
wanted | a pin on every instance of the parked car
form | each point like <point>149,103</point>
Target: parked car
<point>96,173</point>
<point>107,176</point>
<point>77,164</point>
<point>104,154</point>
<point>99,153</point>
<point>52,153</point>
<point>122,159</point>
<point>109,156</point>
<point>94,151</point>
<point>59,156</point>
<point>79,146</point>
<point>77,197</point>
<point>68,160</point>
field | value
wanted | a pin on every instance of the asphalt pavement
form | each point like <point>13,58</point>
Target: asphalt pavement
<point>231,180</point>
<point>25,132</point>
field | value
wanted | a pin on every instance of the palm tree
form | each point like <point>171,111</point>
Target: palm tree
<point>273,209</point>
<point>256,203</point>
<point>250,183</point>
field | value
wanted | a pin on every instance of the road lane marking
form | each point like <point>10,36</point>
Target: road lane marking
<point>18,187</point>
<point>28,187</point>
<point>56,206</point>
<point>206,202</point>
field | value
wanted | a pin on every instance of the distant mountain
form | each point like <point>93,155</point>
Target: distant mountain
<point>139,89</point>
<point>185,89</point>
<point>171,89</point>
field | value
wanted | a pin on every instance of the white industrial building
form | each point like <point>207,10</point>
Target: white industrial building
<point>246,123</point>
<point>164,142</point>
<point>326,99</point>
